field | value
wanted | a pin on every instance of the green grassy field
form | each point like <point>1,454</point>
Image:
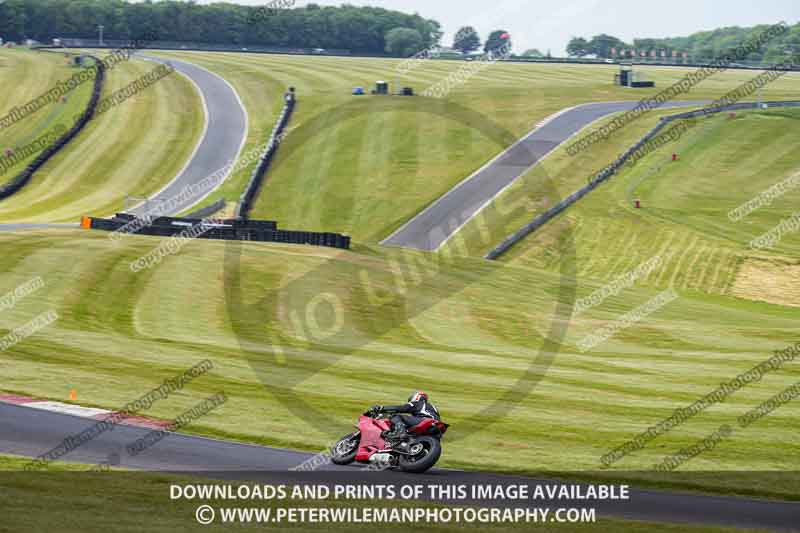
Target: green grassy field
<point>365,165</point>
<point>25,76</point>
<point>105,162</point>
<point>469,350</point>
<point>724,161</point>
<point>79,502</point>
<point>470,333</point>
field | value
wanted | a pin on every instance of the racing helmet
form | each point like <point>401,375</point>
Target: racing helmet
<point>417,396</point>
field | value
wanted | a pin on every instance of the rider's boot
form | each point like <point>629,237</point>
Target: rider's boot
<point>398,431</point>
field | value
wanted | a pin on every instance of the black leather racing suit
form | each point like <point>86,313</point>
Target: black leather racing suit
<point>416,413</point>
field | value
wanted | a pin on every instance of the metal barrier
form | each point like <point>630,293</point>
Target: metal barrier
<point>209,210</point>
<point>257,178</point>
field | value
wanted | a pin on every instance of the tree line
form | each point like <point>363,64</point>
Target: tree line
<point>701,46</point>
<point>467,40</point>
<point>360,29</point>
<point>369,30</point>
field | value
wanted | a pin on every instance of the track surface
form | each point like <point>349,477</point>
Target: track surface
<point>21,227</point>
<point>30,432</point>
<point>223,139</point>
<point>445,216</point>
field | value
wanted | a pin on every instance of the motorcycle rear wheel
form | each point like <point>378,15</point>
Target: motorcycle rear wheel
<point>425,459</point>
<point>344,452</point>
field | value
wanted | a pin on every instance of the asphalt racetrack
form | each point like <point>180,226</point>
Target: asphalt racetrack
<point>222,141</point>
<point>443,218</point>
<point>31,432</point>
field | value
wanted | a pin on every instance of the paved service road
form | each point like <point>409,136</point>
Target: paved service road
<point>30,432</point>
<point>223,139</point>
<point>444,217</point>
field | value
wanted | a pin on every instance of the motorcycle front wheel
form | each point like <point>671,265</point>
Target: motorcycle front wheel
<point>424,452</point>
<point>344,451</point>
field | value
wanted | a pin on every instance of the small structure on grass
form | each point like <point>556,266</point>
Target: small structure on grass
<point>381,87</point>
<point>628,77</point>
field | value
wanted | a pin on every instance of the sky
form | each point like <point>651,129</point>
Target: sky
<point>550,25</point>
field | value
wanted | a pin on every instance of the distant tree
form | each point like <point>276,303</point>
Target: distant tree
<point>646,44</point>
<point>532,52</point>
<point>578,47</point>
<point>13,20</point>
<point>704,53</point>
<point>497,39</point>
<point>403,42</point>
<point>602,44</point>
<point>467,40</point>
<point>792,51</point>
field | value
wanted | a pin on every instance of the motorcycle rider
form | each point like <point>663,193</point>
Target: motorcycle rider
<point>408,415</point>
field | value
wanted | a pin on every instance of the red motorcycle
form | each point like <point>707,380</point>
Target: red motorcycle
<point>415,450</point>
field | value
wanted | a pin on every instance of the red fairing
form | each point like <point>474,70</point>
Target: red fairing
<point>371,440</point>
<point>424,427</point>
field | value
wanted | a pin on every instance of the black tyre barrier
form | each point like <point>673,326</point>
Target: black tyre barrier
<point>22,179</point>
<point>228,229</point>
<point>612,169</point>
<point>257,178</point>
